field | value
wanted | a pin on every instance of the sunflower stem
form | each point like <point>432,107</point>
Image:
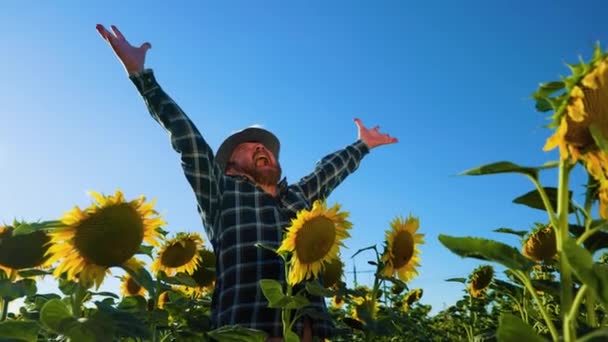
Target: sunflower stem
<point>3,309</point>
<point>545,199</point>
<point>578,299</point>
<point>543,311</point>
<point>562,236</point>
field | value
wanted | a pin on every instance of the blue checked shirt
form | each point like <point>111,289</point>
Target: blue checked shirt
<point>237,215</point>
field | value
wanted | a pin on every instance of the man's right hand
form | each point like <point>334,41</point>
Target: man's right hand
<point>132,58</point>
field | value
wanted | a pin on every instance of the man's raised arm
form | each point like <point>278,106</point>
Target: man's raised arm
<point>197,157</point>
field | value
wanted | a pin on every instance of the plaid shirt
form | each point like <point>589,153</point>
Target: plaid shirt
<point>237,215</point>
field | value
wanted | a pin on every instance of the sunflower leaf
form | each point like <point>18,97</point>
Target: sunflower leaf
<point>362,250</point>
<point>146,250</point>
<point>501,167</point>
<point>20,330</point>
<point>273,291</point>
<point>542,105</point>
<point>125,323</point>
<point>598,137</point>
<point>56,315</point>
<point>547,89</point>
<point>457,280</point>
<point>143,278</point>
<point>595,276</point>
<point>533,199</point>
<point>486,250</point>
<point>316,289</point>
<point>512,328</point>
<point>235,333</point>
<point>105,294</point>
<point>520,233</point>
<point>11,291</point>
<point>32,272</point>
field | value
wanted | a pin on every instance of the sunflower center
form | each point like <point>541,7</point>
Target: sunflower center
<point>403,249</point>
<point>110,236</point>
<point>132,286</point>
<point>23,251</point>
<point>315,239</point>
<point>179,253</point>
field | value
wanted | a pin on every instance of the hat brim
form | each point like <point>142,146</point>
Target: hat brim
<point>251,134</point>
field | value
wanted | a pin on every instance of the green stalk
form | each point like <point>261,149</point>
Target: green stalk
<point>372,303</point>
<point>571,316</point>
<point>543,195</point>
<point>284,311</point>
<point>590,305</point>
<point>3,309</point>
<point>528,284</point>
<point>561,237</point>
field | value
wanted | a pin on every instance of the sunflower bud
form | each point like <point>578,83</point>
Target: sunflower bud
<point>541,245</point>
<point>480,281</point>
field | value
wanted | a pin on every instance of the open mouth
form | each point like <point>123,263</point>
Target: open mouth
<point>261,160</point>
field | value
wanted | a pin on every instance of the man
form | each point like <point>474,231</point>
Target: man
<point>242,199</point>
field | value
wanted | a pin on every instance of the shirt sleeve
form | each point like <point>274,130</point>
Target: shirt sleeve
<point>197,158</point>
<point>332,170</point>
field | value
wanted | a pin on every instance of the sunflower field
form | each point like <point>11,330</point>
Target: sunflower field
<point>553,287</point>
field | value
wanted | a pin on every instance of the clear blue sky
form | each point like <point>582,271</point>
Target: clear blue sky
<point>450,79</point>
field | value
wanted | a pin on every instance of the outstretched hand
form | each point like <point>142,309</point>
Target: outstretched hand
<point>131,57</point>
<point>373,137</point>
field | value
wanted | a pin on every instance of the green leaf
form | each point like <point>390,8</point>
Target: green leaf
<point>512,329</point>
<point>290,336</point>
<point>133,304</point>
<point>457,280</point>
<point>273,291</point>
<point>595,276</point>
<point>67,287</point>
<point>56,315</point>
<point>143,278</point>
<point>125,323</point>
<point>542,105</point>
<point>486,250</point>
<point>179,279</point>
<point>146,250</point>
<point>520,233</point>
<point>20,330</point>
<point>105,294</point>
<point>547,89</point>
<point>294,302</point>
<point>533,199</point>
<point>23,229</point>
<point>316,289</point>
<point>362,250</point>
<point>11,291</point>
<point>32,272</point>
<point>237,334</point>
<point>506,167</point>
<point>598,137</point>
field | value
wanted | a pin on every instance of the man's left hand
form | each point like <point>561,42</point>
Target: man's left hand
<point>372,137</point>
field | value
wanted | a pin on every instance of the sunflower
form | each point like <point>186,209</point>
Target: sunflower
<point>581,118</point>
<point>364,303</point>
<point>337,302</point>
<point>401,254</point>
<point>203,275</point>
<point>412,297</point>
<point>314,238</point>
<point>22,251</point>
<point>104,235</point>
<point>480,281</point>
<point>332,274</point>
<point>130,287</point>
<point>541,244</point>
<point>179,254</point>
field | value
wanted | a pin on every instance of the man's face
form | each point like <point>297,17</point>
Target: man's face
<point>255,160</point>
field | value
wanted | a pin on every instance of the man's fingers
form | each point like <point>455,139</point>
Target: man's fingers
<point>102,31</point>
<point>377,128</point>
<point>146,46</point>
<point>118,33</point>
